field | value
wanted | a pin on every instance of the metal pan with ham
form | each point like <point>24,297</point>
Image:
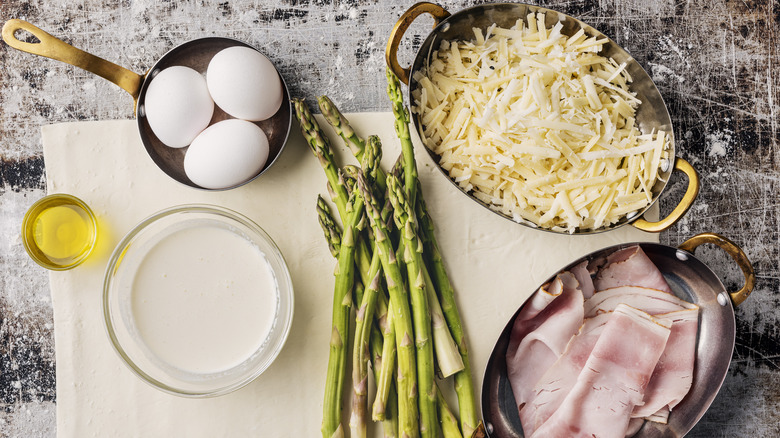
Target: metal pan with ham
<point>631,340</point>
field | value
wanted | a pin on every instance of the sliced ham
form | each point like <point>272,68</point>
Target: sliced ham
<point>630,267</point>
<point>651,301</point>
<point>673,375</point>
<point>540,333</point>
<point>582,275</point>
<point>613,380</point>
<point>538,302</point>
<point>555,384</point>
<point>602,348</point>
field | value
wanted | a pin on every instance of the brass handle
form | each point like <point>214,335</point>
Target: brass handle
<point>391,52</point>
<point>735,252</point>
<point>690,195</point>
<point>51,47</point>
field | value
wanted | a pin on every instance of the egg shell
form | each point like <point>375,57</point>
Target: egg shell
<point>244,83</point>
<point>226,154</point>
<point>178,106</point>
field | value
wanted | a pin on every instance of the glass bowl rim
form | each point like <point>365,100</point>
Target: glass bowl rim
<point>285,291</point>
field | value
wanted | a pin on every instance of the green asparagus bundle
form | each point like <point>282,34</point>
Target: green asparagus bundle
<point>390,280</point>
<point>333,237</point>
<point>405,221</point>
<point>469,416</point>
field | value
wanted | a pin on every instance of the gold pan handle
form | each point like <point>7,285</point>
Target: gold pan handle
<point>735,252</point>
<point>685,204</point>
<point>391,52</point>
<point>51,47</point>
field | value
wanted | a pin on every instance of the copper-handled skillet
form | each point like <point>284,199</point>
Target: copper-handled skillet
<point>195,54</point>
<point>651,116</point>
<point>691,280</point>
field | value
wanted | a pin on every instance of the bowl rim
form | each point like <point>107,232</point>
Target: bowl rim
<point>284,280</point>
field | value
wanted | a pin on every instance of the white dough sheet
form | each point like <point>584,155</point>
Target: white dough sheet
<point>495,265</point>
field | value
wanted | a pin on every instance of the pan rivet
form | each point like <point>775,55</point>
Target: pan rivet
<point>723,299</point>
<point>664,165</point>
<point>489,427</point>
<point>682,255</point>
<point>446,27</point>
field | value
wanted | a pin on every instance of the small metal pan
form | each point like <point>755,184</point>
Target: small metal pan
<point>195,54</point>
<point>651,116</point>
<point>691,280</point>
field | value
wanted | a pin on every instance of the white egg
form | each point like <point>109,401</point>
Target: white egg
<point>244,83</point>
<point>226,154</point>
<point>178,106</point>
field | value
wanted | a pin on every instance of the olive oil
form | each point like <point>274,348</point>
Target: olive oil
<point>59,231</point>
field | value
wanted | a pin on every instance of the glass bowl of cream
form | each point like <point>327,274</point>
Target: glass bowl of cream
<point>197,300</point>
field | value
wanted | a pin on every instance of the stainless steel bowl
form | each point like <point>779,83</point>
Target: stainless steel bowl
<point>691,280</point>
<point>651,115</point>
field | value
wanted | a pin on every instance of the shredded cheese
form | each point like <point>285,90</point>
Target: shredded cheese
<point>539,126</point>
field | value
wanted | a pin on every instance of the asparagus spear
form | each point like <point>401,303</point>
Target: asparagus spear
<point>342,127</point>
<point>390,408</point>
<point>342,301</point>
<point>370,162</point>
<point>383,401</point>
<point>405,221</point>
<point>329,227</point>
<point>402,131</point>
<point>371,156</point>
<point>364,324</point>
<point>320,145</point>
<point>333,237</point>
<point>349,174</point>
<point>449,424</point>
<point>407,378</point>
<point>448,358</point>
<point>464,386</point>
<point>365,314</point>
<point>385,369</point>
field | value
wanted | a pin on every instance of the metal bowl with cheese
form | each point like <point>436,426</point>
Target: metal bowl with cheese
<point>541,118</point>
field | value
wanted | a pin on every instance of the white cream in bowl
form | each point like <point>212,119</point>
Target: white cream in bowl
<point>197,300</point>
<point>204,299</point>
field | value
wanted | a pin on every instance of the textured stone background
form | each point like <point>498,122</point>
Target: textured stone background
<point>714,62</point>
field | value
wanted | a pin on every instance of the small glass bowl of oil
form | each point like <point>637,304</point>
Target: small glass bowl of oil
<point>59,231</point>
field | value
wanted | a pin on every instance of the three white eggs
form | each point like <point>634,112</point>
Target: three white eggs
<point>179,106</point>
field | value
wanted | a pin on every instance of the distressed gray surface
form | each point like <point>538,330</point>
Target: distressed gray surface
<point>713,61</point>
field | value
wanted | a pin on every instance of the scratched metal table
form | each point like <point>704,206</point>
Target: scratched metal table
<point>714,62</point>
